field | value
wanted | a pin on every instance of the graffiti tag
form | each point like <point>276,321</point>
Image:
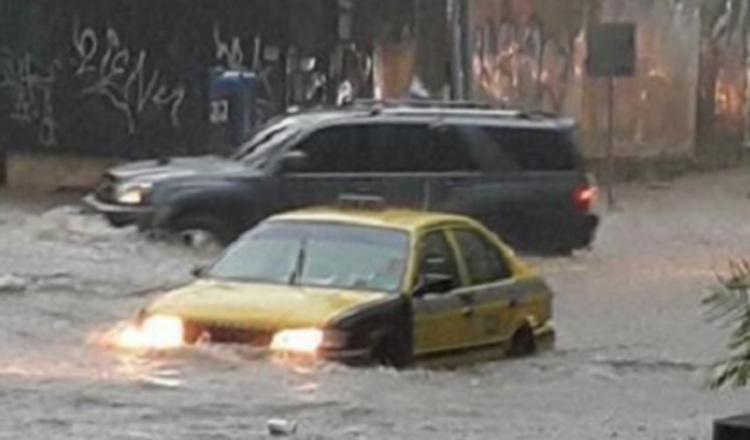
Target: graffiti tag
<point>30,85</point>
<point>122,77</point>
<point>230,53</point>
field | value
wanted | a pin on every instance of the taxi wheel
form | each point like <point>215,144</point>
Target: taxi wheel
<point>390,353</point>
<point>523,343</point>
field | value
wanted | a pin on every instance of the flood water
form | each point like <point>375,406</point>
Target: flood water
<point>631,361</point>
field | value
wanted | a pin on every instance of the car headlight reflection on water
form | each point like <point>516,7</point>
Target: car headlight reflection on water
<point>304,341</point>
<point>155,332</point>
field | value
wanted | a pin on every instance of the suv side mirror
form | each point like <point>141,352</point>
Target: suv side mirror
<point>292,161</point>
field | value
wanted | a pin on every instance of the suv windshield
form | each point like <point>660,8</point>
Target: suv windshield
<point>316,254</point>
<point>255,151</point>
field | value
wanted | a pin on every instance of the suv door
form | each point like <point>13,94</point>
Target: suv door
<point>401,154</point>
<point>342,159</point>
<point>458,173</point>
<point>526,183</point>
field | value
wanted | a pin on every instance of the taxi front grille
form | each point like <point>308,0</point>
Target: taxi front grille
<point>224,334</point>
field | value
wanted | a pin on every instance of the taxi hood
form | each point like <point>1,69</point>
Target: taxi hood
<point>258,306</point>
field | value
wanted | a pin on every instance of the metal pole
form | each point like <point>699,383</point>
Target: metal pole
<point>466,48</point>
<point>455,43</point>
<point>610,142</point>
<point>457,12</point>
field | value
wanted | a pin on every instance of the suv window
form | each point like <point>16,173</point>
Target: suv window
<point>483,260</point>
<point>536,149</point>
<point>400,148</point>
<point>435,244</point>
<point>416,148</point>
<point>341,149</point>
<point>520,149</point>
<point>452,153</point>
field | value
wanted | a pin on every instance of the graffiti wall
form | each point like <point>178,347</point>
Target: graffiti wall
<point>101,78</point>
<point>531,54</point>
<point>655,111</point>
<point>525,51</point>
<point>127,79</point>
<point>725,74</point>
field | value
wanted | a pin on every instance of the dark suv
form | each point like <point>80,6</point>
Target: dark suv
<point>519,173</point>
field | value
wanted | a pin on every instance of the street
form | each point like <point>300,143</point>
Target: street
<point>631,361</point>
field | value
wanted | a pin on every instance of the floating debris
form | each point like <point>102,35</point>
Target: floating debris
<point>281,427</point>
<point>13,284</point>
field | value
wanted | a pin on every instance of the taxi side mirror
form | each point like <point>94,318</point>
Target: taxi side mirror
<point>199,271</point>
<point>433,283</point>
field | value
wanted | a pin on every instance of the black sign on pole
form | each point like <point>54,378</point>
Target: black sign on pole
<point>611,49</point>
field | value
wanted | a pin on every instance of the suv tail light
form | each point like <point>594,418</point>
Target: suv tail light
<point>584,197</point>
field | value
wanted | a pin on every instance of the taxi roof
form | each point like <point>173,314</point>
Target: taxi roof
<point>410,220</point>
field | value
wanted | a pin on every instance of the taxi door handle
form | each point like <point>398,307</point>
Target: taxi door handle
<point>467,311</point>
<point>466,298</point>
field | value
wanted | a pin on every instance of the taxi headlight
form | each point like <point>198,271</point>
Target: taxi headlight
<point>298,341</point>
<point>133,194</point>
<point>155,332</point>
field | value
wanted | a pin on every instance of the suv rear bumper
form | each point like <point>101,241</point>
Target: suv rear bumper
<point>581,231</point>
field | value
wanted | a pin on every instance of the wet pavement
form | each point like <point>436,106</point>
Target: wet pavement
<point>631,361</point>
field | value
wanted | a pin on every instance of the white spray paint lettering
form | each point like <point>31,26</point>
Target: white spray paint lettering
<point>230,53</point>
<point>122,77</point>
<point>30,86</point>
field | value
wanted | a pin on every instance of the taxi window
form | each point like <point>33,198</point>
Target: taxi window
<point>435,244</point>
<point>484,262</point>
<point>318,254</point>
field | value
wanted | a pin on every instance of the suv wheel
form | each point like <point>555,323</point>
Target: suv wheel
<point>201,231</point>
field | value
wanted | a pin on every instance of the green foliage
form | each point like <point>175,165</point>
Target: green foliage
<point>729,303</point>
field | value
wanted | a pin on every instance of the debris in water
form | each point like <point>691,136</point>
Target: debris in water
<point>12,284</point>
<point>281,427</point>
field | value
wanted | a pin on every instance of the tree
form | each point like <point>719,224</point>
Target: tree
<point>729,303</point>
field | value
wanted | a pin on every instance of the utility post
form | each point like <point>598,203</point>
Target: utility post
<point>433,35</point>
<point>458,17</point>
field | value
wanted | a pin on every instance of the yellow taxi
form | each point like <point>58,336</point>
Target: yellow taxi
<point>359,283</point>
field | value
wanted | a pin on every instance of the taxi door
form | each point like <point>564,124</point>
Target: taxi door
<point>442,322</point>
<point>491,282</point>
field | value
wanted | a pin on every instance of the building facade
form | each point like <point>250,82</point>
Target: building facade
<point>123,80</point>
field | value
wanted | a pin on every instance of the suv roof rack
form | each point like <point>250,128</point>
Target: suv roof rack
<point>468,108</point>
<point>536,114</point>
<point>421,103</point>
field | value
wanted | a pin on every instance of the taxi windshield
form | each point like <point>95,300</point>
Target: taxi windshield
<point>315,254</point>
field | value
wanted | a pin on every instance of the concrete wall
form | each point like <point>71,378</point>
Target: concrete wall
<point>47,173</point>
